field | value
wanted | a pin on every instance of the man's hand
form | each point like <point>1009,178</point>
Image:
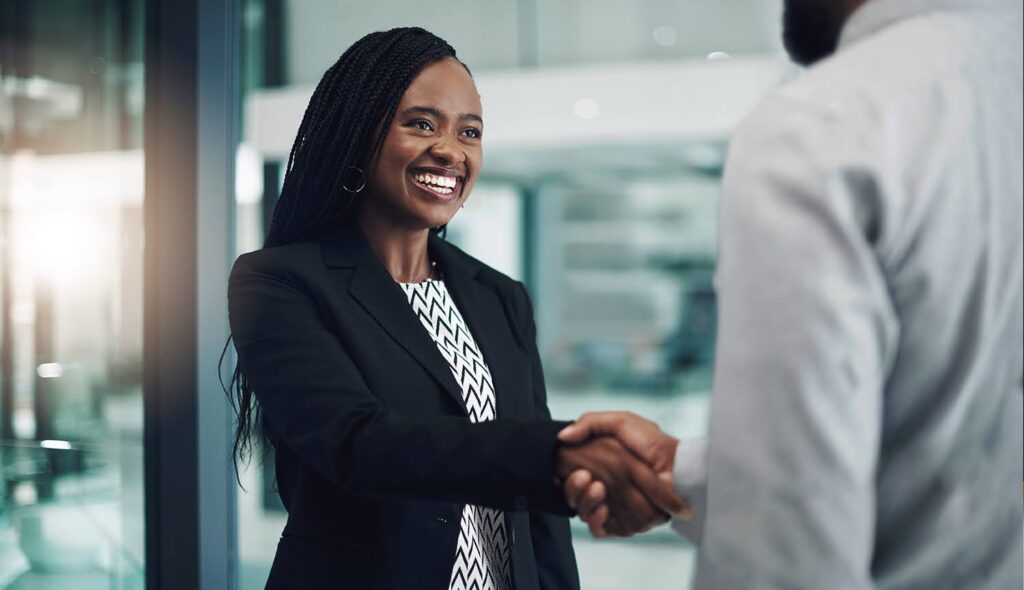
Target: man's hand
<point>633,493</point>
<point>586,491</point>
<point>636,433</point>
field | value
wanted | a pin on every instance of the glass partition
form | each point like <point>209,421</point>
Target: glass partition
<point>71,240</point>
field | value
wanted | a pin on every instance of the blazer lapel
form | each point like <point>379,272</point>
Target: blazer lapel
<point>485,315</point>
<point>374,289</point>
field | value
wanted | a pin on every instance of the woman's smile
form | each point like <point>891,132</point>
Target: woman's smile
<point>438,183</point>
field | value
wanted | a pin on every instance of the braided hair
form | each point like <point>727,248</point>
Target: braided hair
<point>356,97</point>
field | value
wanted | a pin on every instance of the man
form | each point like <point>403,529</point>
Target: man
<point>866,422</point>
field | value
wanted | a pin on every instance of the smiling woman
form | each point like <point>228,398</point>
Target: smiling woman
<point>396,377</point>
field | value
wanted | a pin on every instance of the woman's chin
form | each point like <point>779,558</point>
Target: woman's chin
<point>441,222</point>
<point>439,218</point>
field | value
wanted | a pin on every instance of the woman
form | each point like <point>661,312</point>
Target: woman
<point>380,355</point>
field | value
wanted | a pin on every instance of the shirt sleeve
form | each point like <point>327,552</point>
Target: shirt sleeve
<point>690,479</point>
<point>806,333</point>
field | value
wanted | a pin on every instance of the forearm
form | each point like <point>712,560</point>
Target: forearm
<point>502,464</point>
<point>371,450</point>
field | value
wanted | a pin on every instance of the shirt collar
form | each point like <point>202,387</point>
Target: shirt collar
<point>875,15</point>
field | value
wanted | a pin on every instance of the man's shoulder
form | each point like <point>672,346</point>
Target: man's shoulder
<point>893,68</point>
<point>855,93</point>
<point>836,89</point>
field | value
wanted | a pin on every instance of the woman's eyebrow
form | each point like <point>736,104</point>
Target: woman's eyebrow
<point>437,114</point>
<point>423,111</point>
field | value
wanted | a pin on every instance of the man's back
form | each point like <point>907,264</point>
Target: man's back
<point>914,130</point>
<point>948,121</point>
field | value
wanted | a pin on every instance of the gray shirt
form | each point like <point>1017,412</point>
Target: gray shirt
<point>866,422</point>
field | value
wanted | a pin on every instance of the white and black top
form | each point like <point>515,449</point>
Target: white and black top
<point>482,554</point>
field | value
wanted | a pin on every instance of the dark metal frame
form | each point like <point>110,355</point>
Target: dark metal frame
<point>190,138</point>
<point>12,17</point>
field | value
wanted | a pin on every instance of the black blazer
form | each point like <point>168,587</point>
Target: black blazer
<point>375,453</point>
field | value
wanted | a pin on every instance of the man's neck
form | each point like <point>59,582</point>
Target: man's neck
<point>851,6</point>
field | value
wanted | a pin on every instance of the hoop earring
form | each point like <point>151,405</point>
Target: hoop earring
<point>361,180</point>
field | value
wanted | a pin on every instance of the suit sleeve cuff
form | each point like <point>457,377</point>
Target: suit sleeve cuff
<point>548,495</point>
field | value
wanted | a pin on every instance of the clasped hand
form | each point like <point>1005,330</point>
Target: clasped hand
<point>616,469</point>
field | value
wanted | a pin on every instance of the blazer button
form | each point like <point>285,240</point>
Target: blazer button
<point>441,519</point>
<point>513,536</point>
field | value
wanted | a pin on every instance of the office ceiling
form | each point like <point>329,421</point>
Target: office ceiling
<point>510,34</point>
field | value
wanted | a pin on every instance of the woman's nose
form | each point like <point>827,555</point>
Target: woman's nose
<point>447,151</point>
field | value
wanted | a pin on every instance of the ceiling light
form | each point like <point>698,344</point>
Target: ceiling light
<point>665,36</point>
<point>586,108</point>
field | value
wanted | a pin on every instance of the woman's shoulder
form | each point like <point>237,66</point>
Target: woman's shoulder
<point>293,254</point>
<point>281,262</point>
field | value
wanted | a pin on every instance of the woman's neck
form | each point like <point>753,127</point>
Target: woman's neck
<point>402,251</point>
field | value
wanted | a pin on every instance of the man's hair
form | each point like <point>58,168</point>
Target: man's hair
<point>811,28</point>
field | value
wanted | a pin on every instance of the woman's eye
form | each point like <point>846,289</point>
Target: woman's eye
<point>472,133</point>
<point>423,125</point>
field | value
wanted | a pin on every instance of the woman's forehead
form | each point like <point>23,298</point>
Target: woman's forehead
<point>444,85</point>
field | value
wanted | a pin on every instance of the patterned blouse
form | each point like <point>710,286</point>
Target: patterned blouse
<point>482,554</point>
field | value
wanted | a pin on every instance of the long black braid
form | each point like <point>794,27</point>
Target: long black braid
<point>356,96</point>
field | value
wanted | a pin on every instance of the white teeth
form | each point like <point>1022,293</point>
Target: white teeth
<point>444,182</point>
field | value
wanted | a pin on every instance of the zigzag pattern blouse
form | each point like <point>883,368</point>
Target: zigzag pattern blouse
<point>482,554</point>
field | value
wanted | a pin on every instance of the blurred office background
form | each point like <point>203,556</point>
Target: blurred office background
<point>607,124</point>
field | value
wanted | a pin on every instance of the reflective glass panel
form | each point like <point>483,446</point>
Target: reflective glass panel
<point>71,198</point>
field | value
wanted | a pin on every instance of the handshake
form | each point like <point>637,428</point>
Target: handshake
<point>616,471</point>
